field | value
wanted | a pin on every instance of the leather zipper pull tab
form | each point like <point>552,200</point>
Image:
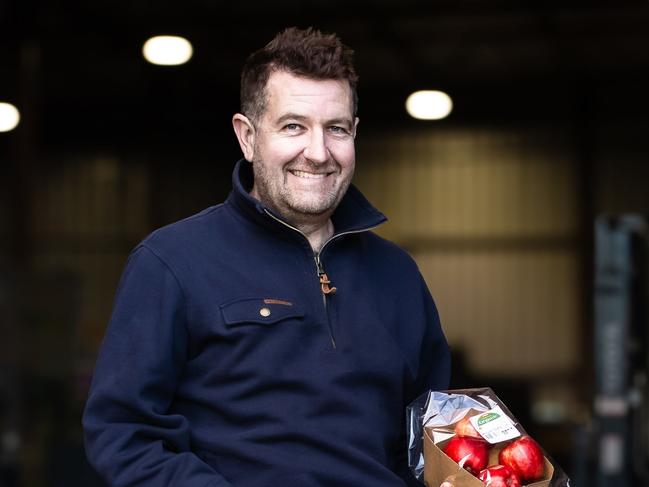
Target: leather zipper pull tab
<point>324,284</point>
<point>324,279</point>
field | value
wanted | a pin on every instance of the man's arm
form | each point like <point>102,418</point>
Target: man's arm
<point>434,363</point>
<point>131,438</point>
<point>435,357</point>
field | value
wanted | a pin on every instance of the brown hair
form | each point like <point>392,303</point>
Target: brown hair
<point>303,52</point>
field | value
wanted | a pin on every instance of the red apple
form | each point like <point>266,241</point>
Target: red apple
<point>525,457</point>
<point>499,476</point>
<point>469,452</point>
<point>464,427</point>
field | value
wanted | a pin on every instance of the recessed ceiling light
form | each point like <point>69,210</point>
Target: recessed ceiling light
<point>167,50</point>
<point>9,117</point>
<point>429,105</point>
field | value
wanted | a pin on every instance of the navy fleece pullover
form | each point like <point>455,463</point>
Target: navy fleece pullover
<point>224,364</point>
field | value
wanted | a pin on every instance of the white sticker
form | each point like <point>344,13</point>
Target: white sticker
<point>495,426</point>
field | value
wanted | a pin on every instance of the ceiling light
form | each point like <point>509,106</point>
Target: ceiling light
<point>167,50</point>
<point>429,105</point>
<point>9,117</point>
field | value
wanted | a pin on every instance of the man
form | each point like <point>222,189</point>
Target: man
<point>272,340</point>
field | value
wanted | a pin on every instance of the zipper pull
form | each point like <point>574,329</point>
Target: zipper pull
<point>324,280</point>
<point>324,284</point>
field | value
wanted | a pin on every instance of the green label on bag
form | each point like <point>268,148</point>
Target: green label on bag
<point>487,417</point>
<point>494,425</point>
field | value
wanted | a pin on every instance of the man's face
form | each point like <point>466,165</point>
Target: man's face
<point>303,158</point>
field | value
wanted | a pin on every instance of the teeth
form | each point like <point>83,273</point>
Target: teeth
<point>308,175</point>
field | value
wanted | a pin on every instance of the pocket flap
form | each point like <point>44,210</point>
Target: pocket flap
<point>259,310</point>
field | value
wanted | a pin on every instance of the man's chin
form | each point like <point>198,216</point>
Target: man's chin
<point>317,211</point>
<point>312,209</point>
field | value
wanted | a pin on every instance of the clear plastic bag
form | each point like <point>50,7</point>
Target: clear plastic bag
<point>433,417</point>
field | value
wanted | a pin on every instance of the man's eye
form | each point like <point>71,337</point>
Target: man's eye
<point>292,127</point>
<point>337,130</point>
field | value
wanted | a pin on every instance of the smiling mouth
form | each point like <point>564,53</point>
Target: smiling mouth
<point>308,175</point>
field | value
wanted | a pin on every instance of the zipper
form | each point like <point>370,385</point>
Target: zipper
<point>326,291</point>
<point>323,279</point>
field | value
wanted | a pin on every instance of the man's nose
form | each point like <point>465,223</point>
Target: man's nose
<point>316,149</point>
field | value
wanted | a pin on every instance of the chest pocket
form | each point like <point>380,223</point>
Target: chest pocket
<point>259,311</point>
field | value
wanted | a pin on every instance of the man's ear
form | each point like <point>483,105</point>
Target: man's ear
<point>245,131</point>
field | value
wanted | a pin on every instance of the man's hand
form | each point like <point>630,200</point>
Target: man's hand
<point>448,481</point>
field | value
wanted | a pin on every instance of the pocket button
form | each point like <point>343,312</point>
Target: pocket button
<point>265,312</point>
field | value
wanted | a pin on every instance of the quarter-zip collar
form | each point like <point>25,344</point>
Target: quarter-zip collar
<point>354,213</point>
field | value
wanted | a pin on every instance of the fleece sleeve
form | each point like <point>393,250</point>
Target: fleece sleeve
<point>131,438</point>
<point>435,358</point>
<point>433,372</point>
